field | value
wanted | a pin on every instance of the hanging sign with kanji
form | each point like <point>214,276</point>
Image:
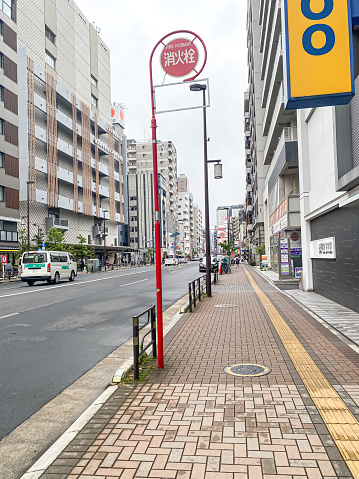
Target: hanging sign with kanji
<point>179,57</point>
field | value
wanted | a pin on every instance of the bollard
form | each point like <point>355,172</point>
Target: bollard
<point>153,332</point>
<point>190,297</point>
<point>136,346</point>
<point>194,293</point>
<point>199,289</point>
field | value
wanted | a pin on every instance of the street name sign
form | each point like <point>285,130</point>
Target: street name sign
<point>317,53</point>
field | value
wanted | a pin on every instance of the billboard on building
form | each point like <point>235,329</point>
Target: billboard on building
<point>117,115</point>
<point>317,53</point>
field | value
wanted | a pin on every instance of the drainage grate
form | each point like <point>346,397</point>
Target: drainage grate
<point>247,370</point>
<point>225,305</point>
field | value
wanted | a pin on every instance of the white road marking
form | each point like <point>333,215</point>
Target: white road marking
<point>128,284</point>
<point>8,315</point>
<point>71,284</point>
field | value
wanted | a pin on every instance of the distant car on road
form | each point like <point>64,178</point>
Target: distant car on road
<point>171,260</point>
<point>214,264</point>
<point>182,259</point>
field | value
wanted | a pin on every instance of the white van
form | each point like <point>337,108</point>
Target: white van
<point>50,266</point>
<point>171,260</point>
<point>182,259</point>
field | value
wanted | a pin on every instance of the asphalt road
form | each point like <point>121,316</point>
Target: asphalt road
<point>50,335</point>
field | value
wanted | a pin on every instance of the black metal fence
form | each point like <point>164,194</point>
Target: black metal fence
<point>195,289</point>
<point>140,348</point>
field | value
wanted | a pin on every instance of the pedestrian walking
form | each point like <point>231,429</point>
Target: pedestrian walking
<point>8,270</point>
<point>237,262</point>
<point>82,264</point>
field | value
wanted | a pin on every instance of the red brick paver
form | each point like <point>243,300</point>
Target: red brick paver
<point>192,420</point>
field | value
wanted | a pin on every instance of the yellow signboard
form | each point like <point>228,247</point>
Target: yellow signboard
<point>318,53</point>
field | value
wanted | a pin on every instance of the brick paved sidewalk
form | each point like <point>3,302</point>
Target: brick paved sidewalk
<point>192,420</point>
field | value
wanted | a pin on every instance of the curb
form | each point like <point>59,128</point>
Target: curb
<point>40,466</point>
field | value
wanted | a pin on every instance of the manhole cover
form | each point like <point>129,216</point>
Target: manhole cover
<point>247,370</point>
<point>225,305</point>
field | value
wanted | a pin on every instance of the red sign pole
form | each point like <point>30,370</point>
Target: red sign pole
<point>180,59</point>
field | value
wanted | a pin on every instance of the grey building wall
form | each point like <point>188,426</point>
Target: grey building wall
<point>338,279</point>
<point>9,149</point>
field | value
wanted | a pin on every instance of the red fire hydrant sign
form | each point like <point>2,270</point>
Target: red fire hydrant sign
<point>3,259</point>
<point>179,57</point>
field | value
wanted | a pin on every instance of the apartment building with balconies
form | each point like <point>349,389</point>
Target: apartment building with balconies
<point>69,150</point>
<point>140,191</point>
<point>184,221</point>
<point>198,230</point>
<point>9,139</point>
<point>271,138</point>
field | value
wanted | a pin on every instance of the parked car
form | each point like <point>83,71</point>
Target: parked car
<point>214,264</point>
<point>182,259</point>
<point>171,260</point>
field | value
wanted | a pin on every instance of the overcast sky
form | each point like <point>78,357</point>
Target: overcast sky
<point>131,29</point>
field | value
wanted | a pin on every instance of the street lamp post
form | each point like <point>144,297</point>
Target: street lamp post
<point>30,182</point>
<point>104,235</point>
<point>38,231</point>
<point>218,174</point>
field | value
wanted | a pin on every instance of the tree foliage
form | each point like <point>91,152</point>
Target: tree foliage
<point>227,247</point>
<point>55,240</point>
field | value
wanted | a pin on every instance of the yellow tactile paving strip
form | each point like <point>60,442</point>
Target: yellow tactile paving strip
<point>341,423</point>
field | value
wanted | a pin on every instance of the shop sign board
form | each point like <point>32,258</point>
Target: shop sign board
<point>284,257</point>
<point>3,259</point>
<point>317,53</point>
<point>323,249</point>
<point>298,272</point>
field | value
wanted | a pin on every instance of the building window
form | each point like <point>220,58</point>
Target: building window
<point>2,194</point>
<point>94,101</point>
<point>1,58</point>
<point>2,160</point>
<point>50,60</point>
<point>94,81</point>
<point>5,6</point>
<point>1,27</point>
<point>50,35</point>
<point>1,93</point>
<point>2,128</point>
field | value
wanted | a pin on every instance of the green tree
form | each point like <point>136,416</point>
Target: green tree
<point>150,254</point>
<point>80,250</point>
<point>22,240</point>
<point>179,252</point>
<point>261,249</point>
<point>55,239</point>
<point>195,253</point>
<point>38,239</point>
<point>227,247</point>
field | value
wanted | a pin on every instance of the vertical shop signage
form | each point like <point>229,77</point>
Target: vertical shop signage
<point>318,53</point>
<point>284,257</point>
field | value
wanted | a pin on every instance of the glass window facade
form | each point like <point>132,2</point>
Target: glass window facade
<point>50,60</point>
<point>6,7</point>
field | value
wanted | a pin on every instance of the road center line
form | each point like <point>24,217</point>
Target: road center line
<point>71,284</point>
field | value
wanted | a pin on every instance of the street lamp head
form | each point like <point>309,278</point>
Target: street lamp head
<point>198,87</point>
<point>218,171</point>
<point>30,182</point>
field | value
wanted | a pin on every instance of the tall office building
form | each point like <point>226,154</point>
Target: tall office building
<point>69,150</point>
<point>141,200</point>
<point>311,187</point>
<point>198,230</point>
<point>9,140</point>
<point>271,146</point>
<point>184,222</point>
